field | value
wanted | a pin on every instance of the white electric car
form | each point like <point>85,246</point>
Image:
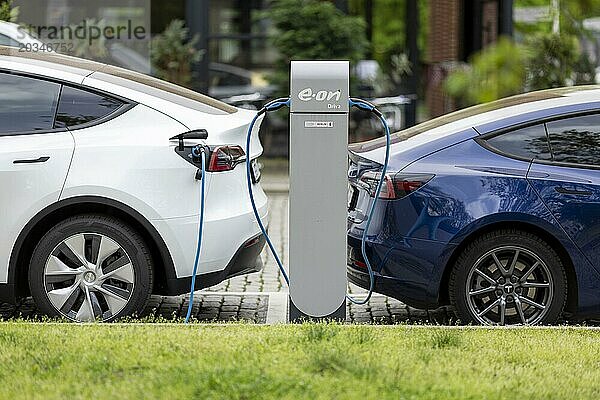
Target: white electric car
<point>99,196</point>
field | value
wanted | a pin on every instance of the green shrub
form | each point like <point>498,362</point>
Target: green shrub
<point>497,71</point>
<point>173,54</point>
<point>8,12</point>
<point>555,61</point>
<point>505,68</point>
<point>313,30</point>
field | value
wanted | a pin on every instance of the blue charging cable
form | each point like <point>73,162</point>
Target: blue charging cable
<point>366,106</point>
<point>271,106</point>
<point>363,105</point>
<point>198,151</point>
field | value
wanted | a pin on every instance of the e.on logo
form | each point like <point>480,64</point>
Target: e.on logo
<point>322,95</point>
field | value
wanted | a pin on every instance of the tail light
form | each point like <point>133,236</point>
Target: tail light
<point>356,259</point>
<point>396,185</point>
<point>225,158</point>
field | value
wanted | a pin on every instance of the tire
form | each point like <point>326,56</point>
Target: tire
<point>91,268</point>
<point>530,284</point>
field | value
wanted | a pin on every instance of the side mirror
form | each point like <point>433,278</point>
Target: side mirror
<point>198,134</point>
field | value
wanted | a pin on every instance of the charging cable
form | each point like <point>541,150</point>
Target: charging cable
<point>366,106</point>
<point>363,105</point>
<point>271,106</point>
<point>198,152</point>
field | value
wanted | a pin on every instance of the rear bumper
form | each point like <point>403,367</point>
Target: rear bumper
<point>229,223</point>
<point>388,286</point>
<point>246,260</point>
<point>408,270</point>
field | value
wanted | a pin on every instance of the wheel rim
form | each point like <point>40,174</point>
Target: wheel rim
<point>509,285</point>
<point>89,277</point>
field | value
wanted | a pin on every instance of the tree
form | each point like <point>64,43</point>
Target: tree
<point>173,54</point>
<point>546,61</point>
<point>8,12</point>
<point>313,30</point>
<point>497,71</point>
<point>555,61</point>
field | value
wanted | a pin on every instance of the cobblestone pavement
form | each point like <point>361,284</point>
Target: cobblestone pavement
<point>261,297</point>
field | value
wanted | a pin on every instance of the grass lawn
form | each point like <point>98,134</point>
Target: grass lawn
<point>312,361</point>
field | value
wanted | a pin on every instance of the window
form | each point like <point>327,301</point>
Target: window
<point>78,107</point>
<point>529,143</point>
<point>26,104</point>
<point>576,140</point>
<point>6,41</point>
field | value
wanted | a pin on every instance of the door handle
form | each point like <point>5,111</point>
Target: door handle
<point>575,192</point>
<point>32,161</point>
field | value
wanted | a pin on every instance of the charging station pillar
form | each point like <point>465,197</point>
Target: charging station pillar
<point>319,93</point>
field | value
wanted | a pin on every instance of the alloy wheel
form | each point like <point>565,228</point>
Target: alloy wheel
<point>509,285</point>
<point>89,277</point>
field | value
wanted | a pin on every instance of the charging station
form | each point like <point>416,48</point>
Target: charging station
<point>319,94</point>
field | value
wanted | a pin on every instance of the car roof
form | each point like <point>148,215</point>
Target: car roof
<point>489,116</point>
<point>129,84</point>
<point>471,122</point>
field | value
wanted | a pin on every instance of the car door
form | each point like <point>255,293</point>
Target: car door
<point>34,156</point>
<point>569,183</point>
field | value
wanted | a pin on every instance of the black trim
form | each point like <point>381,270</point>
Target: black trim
<point>37,160</point>
<point>246,260</point>
<point>167,261</point>
<point>574,192</point>
<point>198,134</point>
<point>126,105</point>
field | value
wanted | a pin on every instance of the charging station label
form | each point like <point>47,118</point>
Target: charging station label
<point>318,124</point>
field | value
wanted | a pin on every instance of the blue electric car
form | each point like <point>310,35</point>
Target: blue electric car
<point>494,209</point>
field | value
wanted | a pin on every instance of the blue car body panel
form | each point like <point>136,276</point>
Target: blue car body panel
<point>413,240</point>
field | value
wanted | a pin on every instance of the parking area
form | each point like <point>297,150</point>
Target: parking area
<point>261,297</point>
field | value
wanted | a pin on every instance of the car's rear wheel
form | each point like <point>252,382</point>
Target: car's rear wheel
<point>508,277</point>
<point>91,268</point>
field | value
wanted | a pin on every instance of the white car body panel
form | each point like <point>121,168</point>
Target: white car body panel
<point>29,188</point>
<point>131,159</point>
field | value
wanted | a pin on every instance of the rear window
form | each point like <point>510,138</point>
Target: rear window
<point>6,41</point>
<point>576,140</point>
<point>530,143</point>
<point>78,107</point>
